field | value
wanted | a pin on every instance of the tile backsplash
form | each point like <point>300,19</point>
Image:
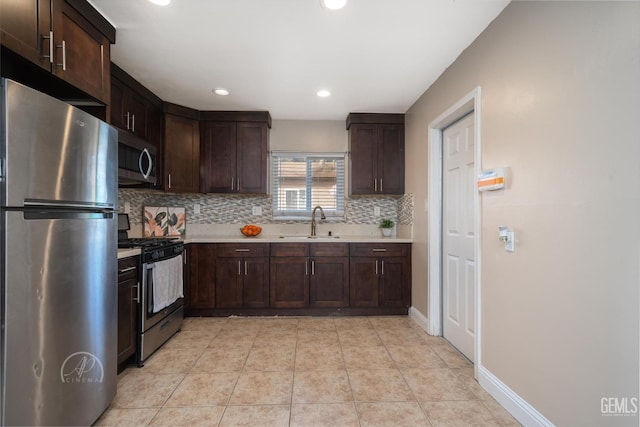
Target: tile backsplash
<point>237,209</point>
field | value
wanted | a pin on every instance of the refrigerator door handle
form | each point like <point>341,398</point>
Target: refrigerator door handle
<point>146,174</point>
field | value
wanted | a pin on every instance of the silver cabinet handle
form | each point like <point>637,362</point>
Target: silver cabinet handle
<point>313,268</point>
<point>238,184</point>
<point>376,267</point>
<point>231,183</point>
<point>375,185</point>
<point>133,129</point>
<point>124,270</point>
<point>239,273</point>
<point>184,257</point>
<point>50,38</point>
<point>64,55</point>
<point>146,174</point>
<point>128,115</point>
<point>381,185</point>
<point>306,268</point>
<point>245,268</point>
<point>169,180</point>
<point>243,250</point>
<point>382,262</point>
<point>378,250</point>
<point>137,298</point>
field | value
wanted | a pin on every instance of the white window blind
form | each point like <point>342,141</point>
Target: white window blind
<point>303,181</point>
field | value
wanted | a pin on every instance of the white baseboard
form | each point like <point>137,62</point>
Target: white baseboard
<point>419,318</point>
<point>522,411</point>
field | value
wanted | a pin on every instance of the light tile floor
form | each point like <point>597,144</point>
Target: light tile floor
<point>308,371</point>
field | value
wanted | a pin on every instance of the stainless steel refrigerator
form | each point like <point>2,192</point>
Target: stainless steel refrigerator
<point>58,193</point>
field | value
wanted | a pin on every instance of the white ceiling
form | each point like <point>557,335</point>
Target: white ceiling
<point>373,55</point>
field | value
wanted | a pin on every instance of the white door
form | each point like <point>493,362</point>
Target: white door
<point>458,237</point>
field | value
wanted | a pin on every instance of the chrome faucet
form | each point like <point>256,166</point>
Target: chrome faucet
<point>313,219</point>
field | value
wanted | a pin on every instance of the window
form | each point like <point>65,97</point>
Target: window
<point>304,181</point>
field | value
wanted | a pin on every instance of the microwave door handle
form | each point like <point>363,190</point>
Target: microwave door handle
<point>146,174</point>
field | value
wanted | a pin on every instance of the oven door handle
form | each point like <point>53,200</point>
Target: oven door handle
<point>147,294</point>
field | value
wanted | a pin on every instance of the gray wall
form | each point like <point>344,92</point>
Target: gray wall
<point>560,106</point>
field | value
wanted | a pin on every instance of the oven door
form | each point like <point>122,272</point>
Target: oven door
<point>148,317</point>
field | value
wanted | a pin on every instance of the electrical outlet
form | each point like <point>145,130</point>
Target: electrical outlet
<point>196,208</point>
<point>376,211</point>
<point>256,210</point>
<point>127,207</point>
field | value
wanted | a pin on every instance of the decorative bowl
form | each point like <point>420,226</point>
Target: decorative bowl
<point>251,230</point>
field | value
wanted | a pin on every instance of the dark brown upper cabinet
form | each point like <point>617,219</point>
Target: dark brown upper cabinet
<point>233,152</point>
<point>134,108</point>
<point>181,150</point>
<point>67,38</point>
<point>376,146</point>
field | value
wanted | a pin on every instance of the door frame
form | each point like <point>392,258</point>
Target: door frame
<point>469,103</point>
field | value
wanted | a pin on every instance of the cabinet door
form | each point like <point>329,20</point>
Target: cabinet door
<point>363,159</point>
<point>391,159</point>
<point>138,109</point>
<point>329,283</point>
<point>289,287</point>
<point>363,282</point>
<point>23,24</point>
<point>181,154</point>
<point>393,279</point>
<point>127,307</point>
<point>218,158</point>
<point>84,60</point>
<point>251,157</point>
<point>256,282</point>
<point>201,266</point>
<point>229,278</point>
<point>118,108</point>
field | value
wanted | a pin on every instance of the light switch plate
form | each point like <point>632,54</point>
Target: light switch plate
<point>196,208</point>
<point>376,211</point>
<point>510,244</point>
<point>256,210</point>
<point>127,207</point>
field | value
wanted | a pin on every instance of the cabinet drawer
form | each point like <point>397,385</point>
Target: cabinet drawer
<point>245,250</point>
<point>379,249</point>
<point>128,268</point>
<point>290,249</point>
<point>329,249</point>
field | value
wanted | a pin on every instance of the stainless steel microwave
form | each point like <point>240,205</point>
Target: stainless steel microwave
<point>136,160</point>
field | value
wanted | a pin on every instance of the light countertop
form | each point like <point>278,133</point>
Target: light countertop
<point>127,252</point>
<point>204,238</point>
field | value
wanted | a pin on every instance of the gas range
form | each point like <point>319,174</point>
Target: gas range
<point>154,248</point>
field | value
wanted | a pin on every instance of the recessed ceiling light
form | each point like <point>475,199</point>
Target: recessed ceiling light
<point>221,91</point>
<point>333,4</point>
<point>323,93</point>
<point>160,2</point>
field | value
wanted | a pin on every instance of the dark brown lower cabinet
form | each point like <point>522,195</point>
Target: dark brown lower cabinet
<point>329,282</point>
<point>364,286</point>
<point>127,306</point>
<point>382,279</point>
<point>200,259</point>
<point>242,276</point>
<point>263,278</point>
<point>289,282</point>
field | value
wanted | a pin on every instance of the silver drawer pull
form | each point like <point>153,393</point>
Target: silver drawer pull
<point>379,250</point>
<point>243,250</point>
<point>124,270</point>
